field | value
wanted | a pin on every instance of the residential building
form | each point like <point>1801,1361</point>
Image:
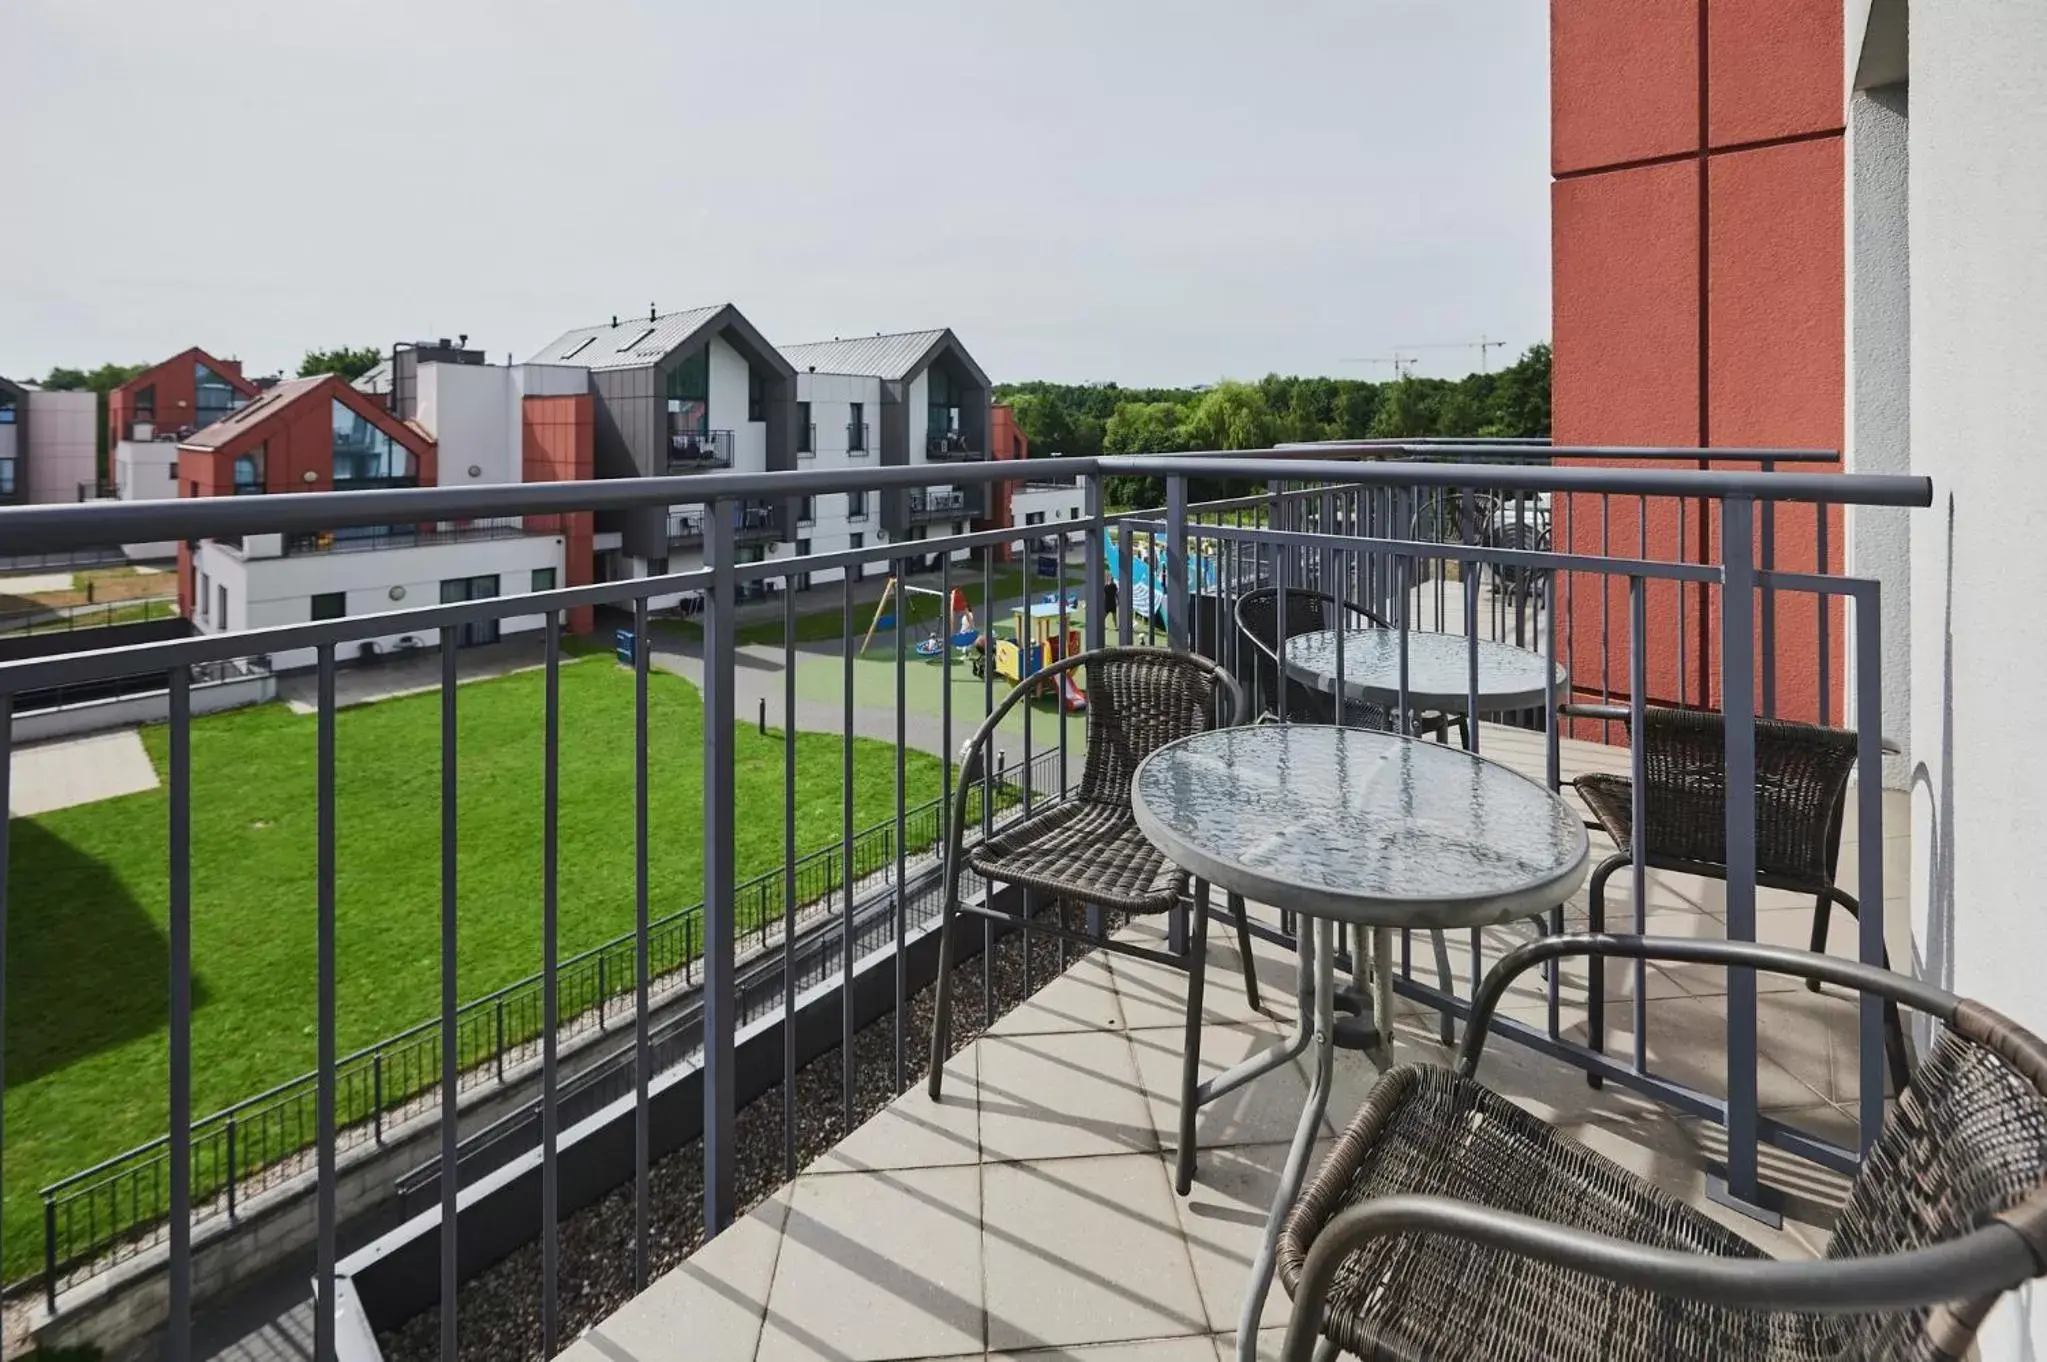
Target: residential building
<point>321,434</point>
<point>683,392</point>
<point>913,398</point>
<point>149,414</point>
<point>48,443</point>
<point>1043,497</point>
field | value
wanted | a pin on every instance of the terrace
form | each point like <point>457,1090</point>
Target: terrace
<point>1033,1206</point>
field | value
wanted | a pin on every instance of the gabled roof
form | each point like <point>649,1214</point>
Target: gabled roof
<point>891,358</point>
<point>636,342</point>
<point>273,402</point>
<point>149,376</point>
<point>376,379</point>
<point>13,390</point>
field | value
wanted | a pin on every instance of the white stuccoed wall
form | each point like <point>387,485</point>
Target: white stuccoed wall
<point>63,445</point>
<point>728,389</point>
<point>1978,202</point>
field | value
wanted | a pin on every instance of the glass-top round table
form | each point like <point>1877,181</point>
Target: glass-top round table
<point>1438,666</point>
<point>1359,830</point>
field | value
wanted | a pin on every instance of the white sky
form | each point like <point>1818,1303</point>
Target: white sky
<point>1135,190</point>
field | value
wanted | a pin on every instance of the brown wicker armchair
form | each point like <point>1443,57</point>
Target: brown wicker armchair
<point>1088,848</point>
<point>1802,773</point>
<point>1450,1223</point>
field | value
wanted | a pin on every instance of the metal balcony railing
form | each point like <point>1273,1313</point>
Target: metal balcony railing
<point>692,451</point>
<point>387,537</point>
<point>950,446</point>
<point>825,918</point>
<point>859,437</point>
<point>927,504</point>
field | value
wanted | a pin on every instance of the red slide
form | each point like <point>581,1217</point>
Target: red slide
<point>1071,695</point>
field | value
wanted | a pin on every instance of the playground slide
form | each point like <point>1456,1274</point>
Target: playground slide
<point>1145,601</point>
<point>1070,694</point>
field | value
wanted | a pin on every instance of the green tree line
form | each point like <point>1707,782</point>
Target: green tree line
<point>1087,419</point>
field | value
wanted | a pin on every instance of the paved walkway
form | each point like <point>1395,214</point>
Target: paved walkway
<point>412,672</point>
<point>73,771</point>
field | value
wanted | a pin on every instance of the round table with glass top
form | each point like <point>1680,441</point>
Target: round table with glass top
<point>1438,669</point>
<point>1352,830</point>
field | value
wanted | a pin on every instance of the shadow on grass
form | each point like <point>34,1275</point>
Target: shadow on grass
<point>87,966</point>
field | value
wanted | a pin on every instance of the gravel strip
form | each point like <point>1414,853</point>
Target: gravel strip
<point>499,1311</point>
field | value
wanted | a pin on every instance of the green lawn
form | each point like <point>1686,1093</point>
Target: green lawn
<point>820,616</point>
<point>86,1044</point>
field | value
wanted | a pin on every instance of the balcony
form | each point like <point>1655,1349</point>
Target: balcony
<point>951,446</point>
<point>383,538</point>
<point>699,451</point>
<point>686,528</point>
<point>754,519</point>
<point>859,438</point>
<point>1032,1207</point>
<point>929,504</point>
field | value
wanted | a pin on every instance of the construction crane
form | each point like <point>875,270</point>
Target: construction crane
<point>1403,365</point>
<point>1482,345</point>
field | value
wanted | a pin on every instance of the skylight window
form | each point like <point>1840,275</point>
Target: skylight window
<point>581,346</point>
<point>634,343</point>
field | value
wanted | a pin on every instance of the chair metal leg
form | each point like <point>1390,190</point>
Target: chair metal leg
<point>941,1019</point>
<point>1243,918</point>
<point>1822,909</point>
<point>1595,975</point>
<point>1190,1060</point>
<point>1448,983</point>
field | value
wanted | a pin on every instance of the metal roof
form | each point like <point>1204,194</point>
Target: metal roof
<point>633,343</point>
<point>889,357</point>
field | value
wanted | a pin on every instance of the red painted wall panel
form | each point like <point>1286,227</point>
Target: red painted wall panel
<point>1624,81</point>
<point>1774,69</point>
<point>558,444</point>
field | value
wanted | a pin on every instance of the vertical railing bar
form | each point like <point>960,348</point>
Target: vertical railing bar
<point>1059,699</point>
<point>1605,614</point>
<point>789,1132</point>
<point>1179,604</point>
<point>1638,773</point>
<point>1869,849</point>
<point>1126,577</point>
<point>1095,593</point>
<point>1768,546</point>
<point>992,773</point>
<point>642,871</point>
<point>1737,689</point>
<point>720,1017</point>
<point>1824,566</point>
<point>898,894</point>
<point>178,1328</point>
<point>325,1307</point>
<point>1468,573</point>
<point>1683,593</point>
<point>847,1077</point>
<point>550,997</point>
<point>451,1174</point>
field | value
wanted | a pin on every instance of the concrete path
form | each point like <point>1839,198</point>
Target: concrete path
<point>59,775</point>
<point>411,672</point>
<point>35,584</point>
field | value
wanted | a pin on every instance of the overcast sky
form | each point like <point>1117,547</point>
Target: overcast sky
<point>1083,189</point>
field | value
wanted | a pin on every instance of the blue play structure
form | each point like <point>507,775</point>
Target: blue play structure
<point>1145,552</point>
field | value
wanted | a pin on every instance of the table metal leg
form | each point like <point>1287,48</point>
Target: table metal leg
<point>1382,987</point>
<point>1270,1058</point>
<point>1305,1134</point>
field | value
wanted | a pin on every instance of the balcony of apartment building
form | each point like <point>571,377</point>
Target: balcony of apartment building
<point>945,443</point>
<point>859,439</point>
<point>1456,673</point>
<point>926,504</point>
<point>695,448</point>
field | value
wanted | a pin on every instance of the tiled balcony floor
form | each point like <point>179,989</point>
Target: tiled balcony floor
<point>1031,1213</point>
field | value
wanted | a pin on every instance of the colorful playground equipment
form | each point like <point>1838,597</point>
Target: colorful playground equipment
<point>1035,643</point>
<point>1149,572</point>
<point>964,634</point>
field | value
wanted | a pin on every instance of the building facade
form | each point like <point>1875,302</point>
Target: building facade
<point>48,444</point>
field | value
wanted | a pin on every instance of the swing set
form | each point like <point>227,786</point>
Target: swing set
<point>964,634</point>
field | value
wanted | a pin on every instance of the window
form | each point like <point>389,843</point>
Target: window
<point>756,397</point>
<point>1035,518</point>
<point>6,477</point>
<point>330,605</point>
<point>803,548</point>
<point>857,541</point>
<point>856,429</point>
<point>221,596</point>
<point>657,567</point>
<point>806,510</point>
<point>543,579</point>
<point>214,396</point>
<point>145,403</point>
<point>689,395</point>
<point>806,433</point>
<point>364,453</point>
<point>249,472</point>
<point>580,347</point>
<point>856,505</point>
<point>634,343</point>
<point>7,411</point>
<point>205,593</point>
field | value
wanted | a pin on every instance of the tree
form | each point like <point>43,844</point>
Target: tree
<point>1145,428</point>
<point>1230,416</point>
<point>350,364</point>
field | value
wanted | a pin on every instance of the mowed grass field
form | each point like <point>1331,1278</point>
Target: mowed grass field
<point>88,890</point>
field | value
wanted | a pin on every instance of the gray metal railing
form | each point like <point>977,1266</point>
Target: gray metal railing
<point>1584,564</point>
<point>699,449</point>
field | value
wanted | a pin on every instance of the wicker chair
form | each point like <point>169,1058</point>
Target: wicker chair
<point>1088,847</point>
<point>1280,696</point>
<point>1449,1222</point>
<point>1802,773</point>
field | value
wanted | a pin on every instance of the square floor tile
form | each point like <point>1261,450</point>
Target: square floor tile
<point>1085,1251</point>
<point>878,1265</point>
<point>1055,1096</point>
<point>915,1132</point>
<point>1196,1348</point>
<point>1265,1109</point>
<point>1081,999</point>
<point>1155,995</point>
<point>716,1299</point>
<point>1223,1220</point>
